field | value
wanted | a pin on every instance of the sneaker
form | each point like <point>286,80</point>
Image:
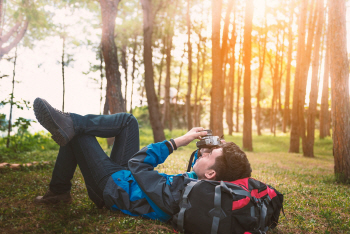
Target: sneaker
<point>58,123</point>
<point>52,198</point>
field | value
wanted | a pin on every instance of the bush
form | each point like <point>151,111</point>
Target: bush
<point>26,142</point>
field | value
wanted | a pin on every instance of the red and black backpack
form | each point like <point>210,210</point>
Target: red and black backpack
<point>245,206</point>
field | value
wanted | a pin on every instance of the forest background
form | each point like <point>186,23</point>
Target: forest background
<point>241,68</point>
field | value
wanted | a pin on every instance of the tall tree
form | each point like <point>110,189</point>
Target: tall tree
<point>294,133</point>
<point>125,67</point>
<point>169,31</point>
<point>247,51</point>
<point>340,89</point>
<point>305,71</point>
<point>231,78</point>
<point>218,61</point>
<point>153,107</point>
<point>310,138</point>
<point>189,80</point>
<point>286,111</point>
<point>11,101</point>
<point>166,117</point>
<point>324,113</point>
<point>134,48</point>
<point>115,98</point>
<point>217,97</point>
<point>262,54</point>
<point>196,106</point>
<point>239,79</point>
<point>62,67</point>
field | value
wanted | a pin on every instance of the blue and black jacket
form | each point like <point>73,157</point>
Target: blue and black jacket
<point>142,191</point>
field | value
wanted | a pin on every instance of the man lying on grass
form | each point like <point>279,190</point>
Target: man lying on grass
<point>126,180</point>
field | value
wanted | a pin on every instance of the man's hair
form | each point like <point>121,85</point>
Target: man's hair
<point>232,165</point>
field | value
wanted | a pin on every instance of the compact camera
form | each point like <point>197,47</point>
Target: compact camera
<point>209,141</point>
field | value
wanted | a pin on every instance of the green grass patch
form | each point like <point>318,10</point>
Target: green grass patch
<point>314,201</point>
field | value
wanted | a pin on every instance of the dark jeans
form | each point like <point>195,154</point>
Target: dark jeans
<point>93,162</point>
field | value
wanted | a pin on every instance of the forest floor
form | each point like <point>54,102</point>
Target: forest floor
<point>313,201</point>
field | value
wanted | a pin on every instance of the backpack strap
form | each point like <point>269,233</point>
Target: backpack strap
<point>190,161</point>
<point>184,206</point>
<point>217,207</point>
<point>217,211</point>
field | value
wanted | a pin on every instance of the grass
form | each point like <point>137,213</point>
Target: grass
<point>314,201</point>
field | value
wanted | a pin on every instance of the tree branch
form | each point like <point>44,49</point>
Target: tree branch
<point>7,36</point>
<point>17,39</point>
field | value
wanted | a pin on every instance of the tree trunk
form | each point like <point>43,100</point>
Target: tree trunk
<point>247,48</point>
<point>196,110</point>
<point>324,113</point>
<point>179,82</point>
<point>101,75</point>
<point>189,81</point>
<point>62,64</point>
<point>217,96</point>
<point>340,89</point>
<point>305,72</point>
<point>310,138</point>
<point>204,52</point>
<point>125,67</point>
<point>294,133</point>
<point>160,75</point>
<point>239,78</point>
<point>231,82</point>
<point>133,70</point>
<point>286,111</point>
<point>109,49</point>
<point>261,72</point>
<point>153,107</point>
<point>11,101</point>
<point>166,117</point>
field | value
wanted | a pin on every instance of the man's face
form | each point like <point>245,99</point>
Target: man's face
<point>206,161</point>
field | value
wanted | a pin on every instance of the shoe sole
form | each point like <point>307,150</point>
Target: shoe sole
<point>44,117</point>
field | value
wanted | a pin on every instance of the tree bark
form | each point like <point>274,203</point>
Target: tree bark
<point>239,78</point>
<point>101,74</point>
<point>153,107</point>
<point>133,70</point>
<point>196,110</point>
<point>166,117</point>
<point>160,75</point>
<point>179,82</point>
<point>109,12</point>
<point>247,49</point>
<point>231,82</point>
<point>189,81</point>
<point>62,67</point>
<point>125,67</point>
<point>294,133</point>
<point>204,53</point>
<point>11,101</point>
<point>304,74</point>
<point>217,96</point>
<point>310,138</point>
<point>324,113</point>
<point>286,111</point>
<point>340,89</point>
<point>261,72</point>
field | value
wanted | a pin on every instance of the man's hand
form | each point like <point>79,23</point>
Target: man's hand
<point>194,133</point>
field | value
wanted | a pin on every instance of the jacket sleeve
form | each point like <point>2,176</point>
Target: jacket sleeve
<point>157,187</point>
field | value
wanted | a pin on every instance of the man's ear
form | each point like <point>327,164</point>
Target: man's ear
<point>210,174</point>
